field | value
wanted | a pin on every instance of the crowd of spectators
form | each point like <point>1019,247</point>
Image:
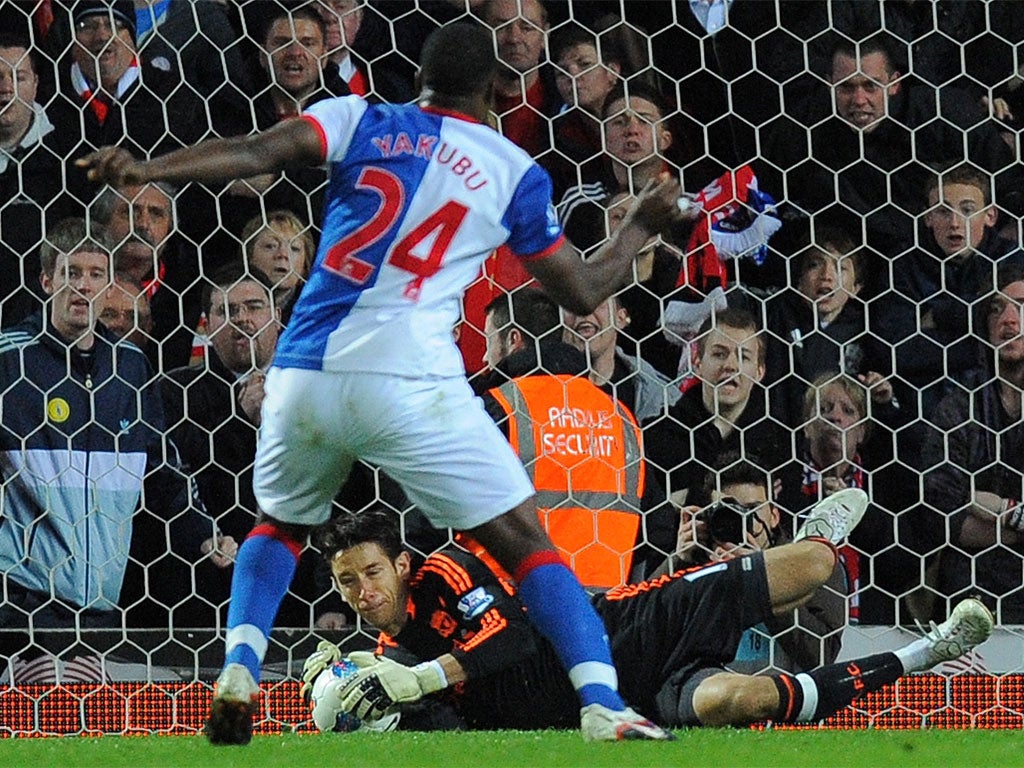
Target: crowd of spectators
<point>874,343</point>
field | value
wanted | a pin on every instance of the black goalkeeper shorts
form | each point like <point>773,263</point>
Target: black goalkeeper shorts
<point>665,631</point>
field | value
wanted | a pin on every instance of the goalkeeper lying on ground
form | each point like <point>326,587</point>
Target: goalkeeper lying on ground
<point>670,637</point>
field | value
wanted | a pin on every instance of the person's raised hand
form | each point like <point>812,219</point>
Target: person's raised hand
<point>114,166</point>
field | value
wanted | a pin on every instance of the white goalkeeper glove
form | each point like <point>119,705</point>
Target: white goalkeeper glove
<point>383,683</point>
<point>327,653</point>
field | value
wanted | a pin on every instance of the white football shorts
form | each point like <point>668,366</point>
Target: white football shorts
<point>432,436</point>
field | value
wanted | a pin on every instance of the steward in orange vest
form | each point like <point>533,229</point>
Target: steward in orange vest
<point>583,451</point>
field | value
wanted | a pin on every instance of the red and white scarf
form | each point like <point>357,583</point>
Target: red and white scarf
<point>98,101</point>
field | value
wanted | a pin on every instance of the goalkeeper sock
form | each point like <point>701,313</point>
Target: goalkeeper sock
<point>559,608</point>
<point>263,572</point>
<point>812,696</point>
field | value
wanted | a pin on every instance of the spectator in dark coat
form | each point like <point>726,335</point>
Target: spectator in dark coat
<point>107,97</point>
<point>975,468</point>
<point>31,188</point>
<point>820,325</point>
<point>724,410</point>
<point>199,45</point>
<point>874,153</point>
<point>928,314</point>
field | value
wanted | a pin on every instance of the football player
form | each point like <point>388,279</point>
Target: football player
<point>419,195</point>
<point>671,637</point>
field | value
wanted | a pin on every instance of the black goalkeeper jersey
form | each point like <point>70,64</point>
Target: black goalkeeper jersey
<point>457,605</point>
<point>661,632</point>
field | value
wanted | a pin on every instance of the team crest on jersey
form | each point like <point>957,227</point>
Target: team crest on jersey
<point>475,603</point>
<point>552,220</point>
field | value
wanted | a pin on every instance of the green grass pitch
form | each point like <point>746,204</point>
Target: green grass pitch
<point>706,748</point>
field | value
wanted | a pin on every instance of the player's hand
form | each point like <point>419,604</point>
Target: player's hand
<point>657,205</point>
<point>222,550</point>
<point>383,683</point>
<point>114,166</point>
<point>326,654</point>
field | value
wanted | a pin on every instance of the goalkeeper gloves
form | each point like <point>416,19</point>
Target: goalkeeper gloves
<point>383,683</point>
<point>327,653</point>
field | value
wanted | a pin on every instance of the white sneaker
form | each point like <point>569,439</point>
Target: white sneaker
<point>835,516</point>
<point>969,624</point>
<point>236,699</point>
<point>599,723</point>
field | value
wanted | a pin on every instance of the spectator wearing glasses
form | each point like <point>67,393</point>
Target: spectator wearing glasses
<point>126,312</point>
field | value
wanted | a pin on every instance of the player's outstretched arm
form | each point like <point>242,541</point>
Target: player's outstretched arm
<point>287,144</point>
<point>580,286</point>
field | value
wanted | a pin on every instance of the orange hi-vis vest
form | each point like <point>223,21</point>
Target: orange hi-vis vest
<point>583,452</point>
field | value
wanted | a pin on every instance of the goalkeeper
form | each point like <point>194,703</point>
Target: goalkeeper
<point>670,637</point>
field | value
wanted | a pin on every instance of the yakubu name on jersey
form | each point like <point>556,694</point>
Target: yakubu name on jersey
<point>417,199</point>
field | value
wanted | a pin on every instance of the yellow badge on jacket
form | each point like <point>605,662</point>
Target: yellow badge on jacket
<point>58,410</point>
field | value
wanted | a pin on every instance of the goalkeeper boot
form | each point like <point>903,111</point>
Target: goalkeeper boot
<point>834,516</point>
<point>969,624</point>
<point>599,723</point>
<point>236,700</point>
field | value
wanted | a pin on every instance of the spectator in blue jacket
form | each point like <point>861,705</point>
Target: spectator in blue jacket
<point>81,444</point>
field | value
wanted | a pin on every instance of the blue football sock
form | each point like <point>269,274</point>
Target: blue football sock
<point>559,607</point>
<point>263,573</point>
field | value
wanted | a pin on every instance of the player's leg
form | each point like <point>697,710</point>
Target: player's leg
<point>457,467</point>
<point>796,570</point>
<point>731,699</point>
<point>727,698</point>
<point>263,570</point>
<point>559,607</point>
<point>296,479</point>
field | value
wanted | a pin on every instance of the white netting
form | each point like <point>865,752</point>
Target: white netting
<point>872,340</point>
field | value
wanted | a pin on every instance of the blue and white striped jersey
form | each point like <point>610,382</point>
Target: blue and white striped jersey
<point>417,199</point>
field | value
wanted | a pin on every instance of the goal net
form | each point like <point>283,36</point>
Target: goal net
<point>840,308</point>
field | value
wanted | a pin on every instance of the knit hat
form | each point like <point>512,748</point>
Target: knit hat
<point>121,10</point>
